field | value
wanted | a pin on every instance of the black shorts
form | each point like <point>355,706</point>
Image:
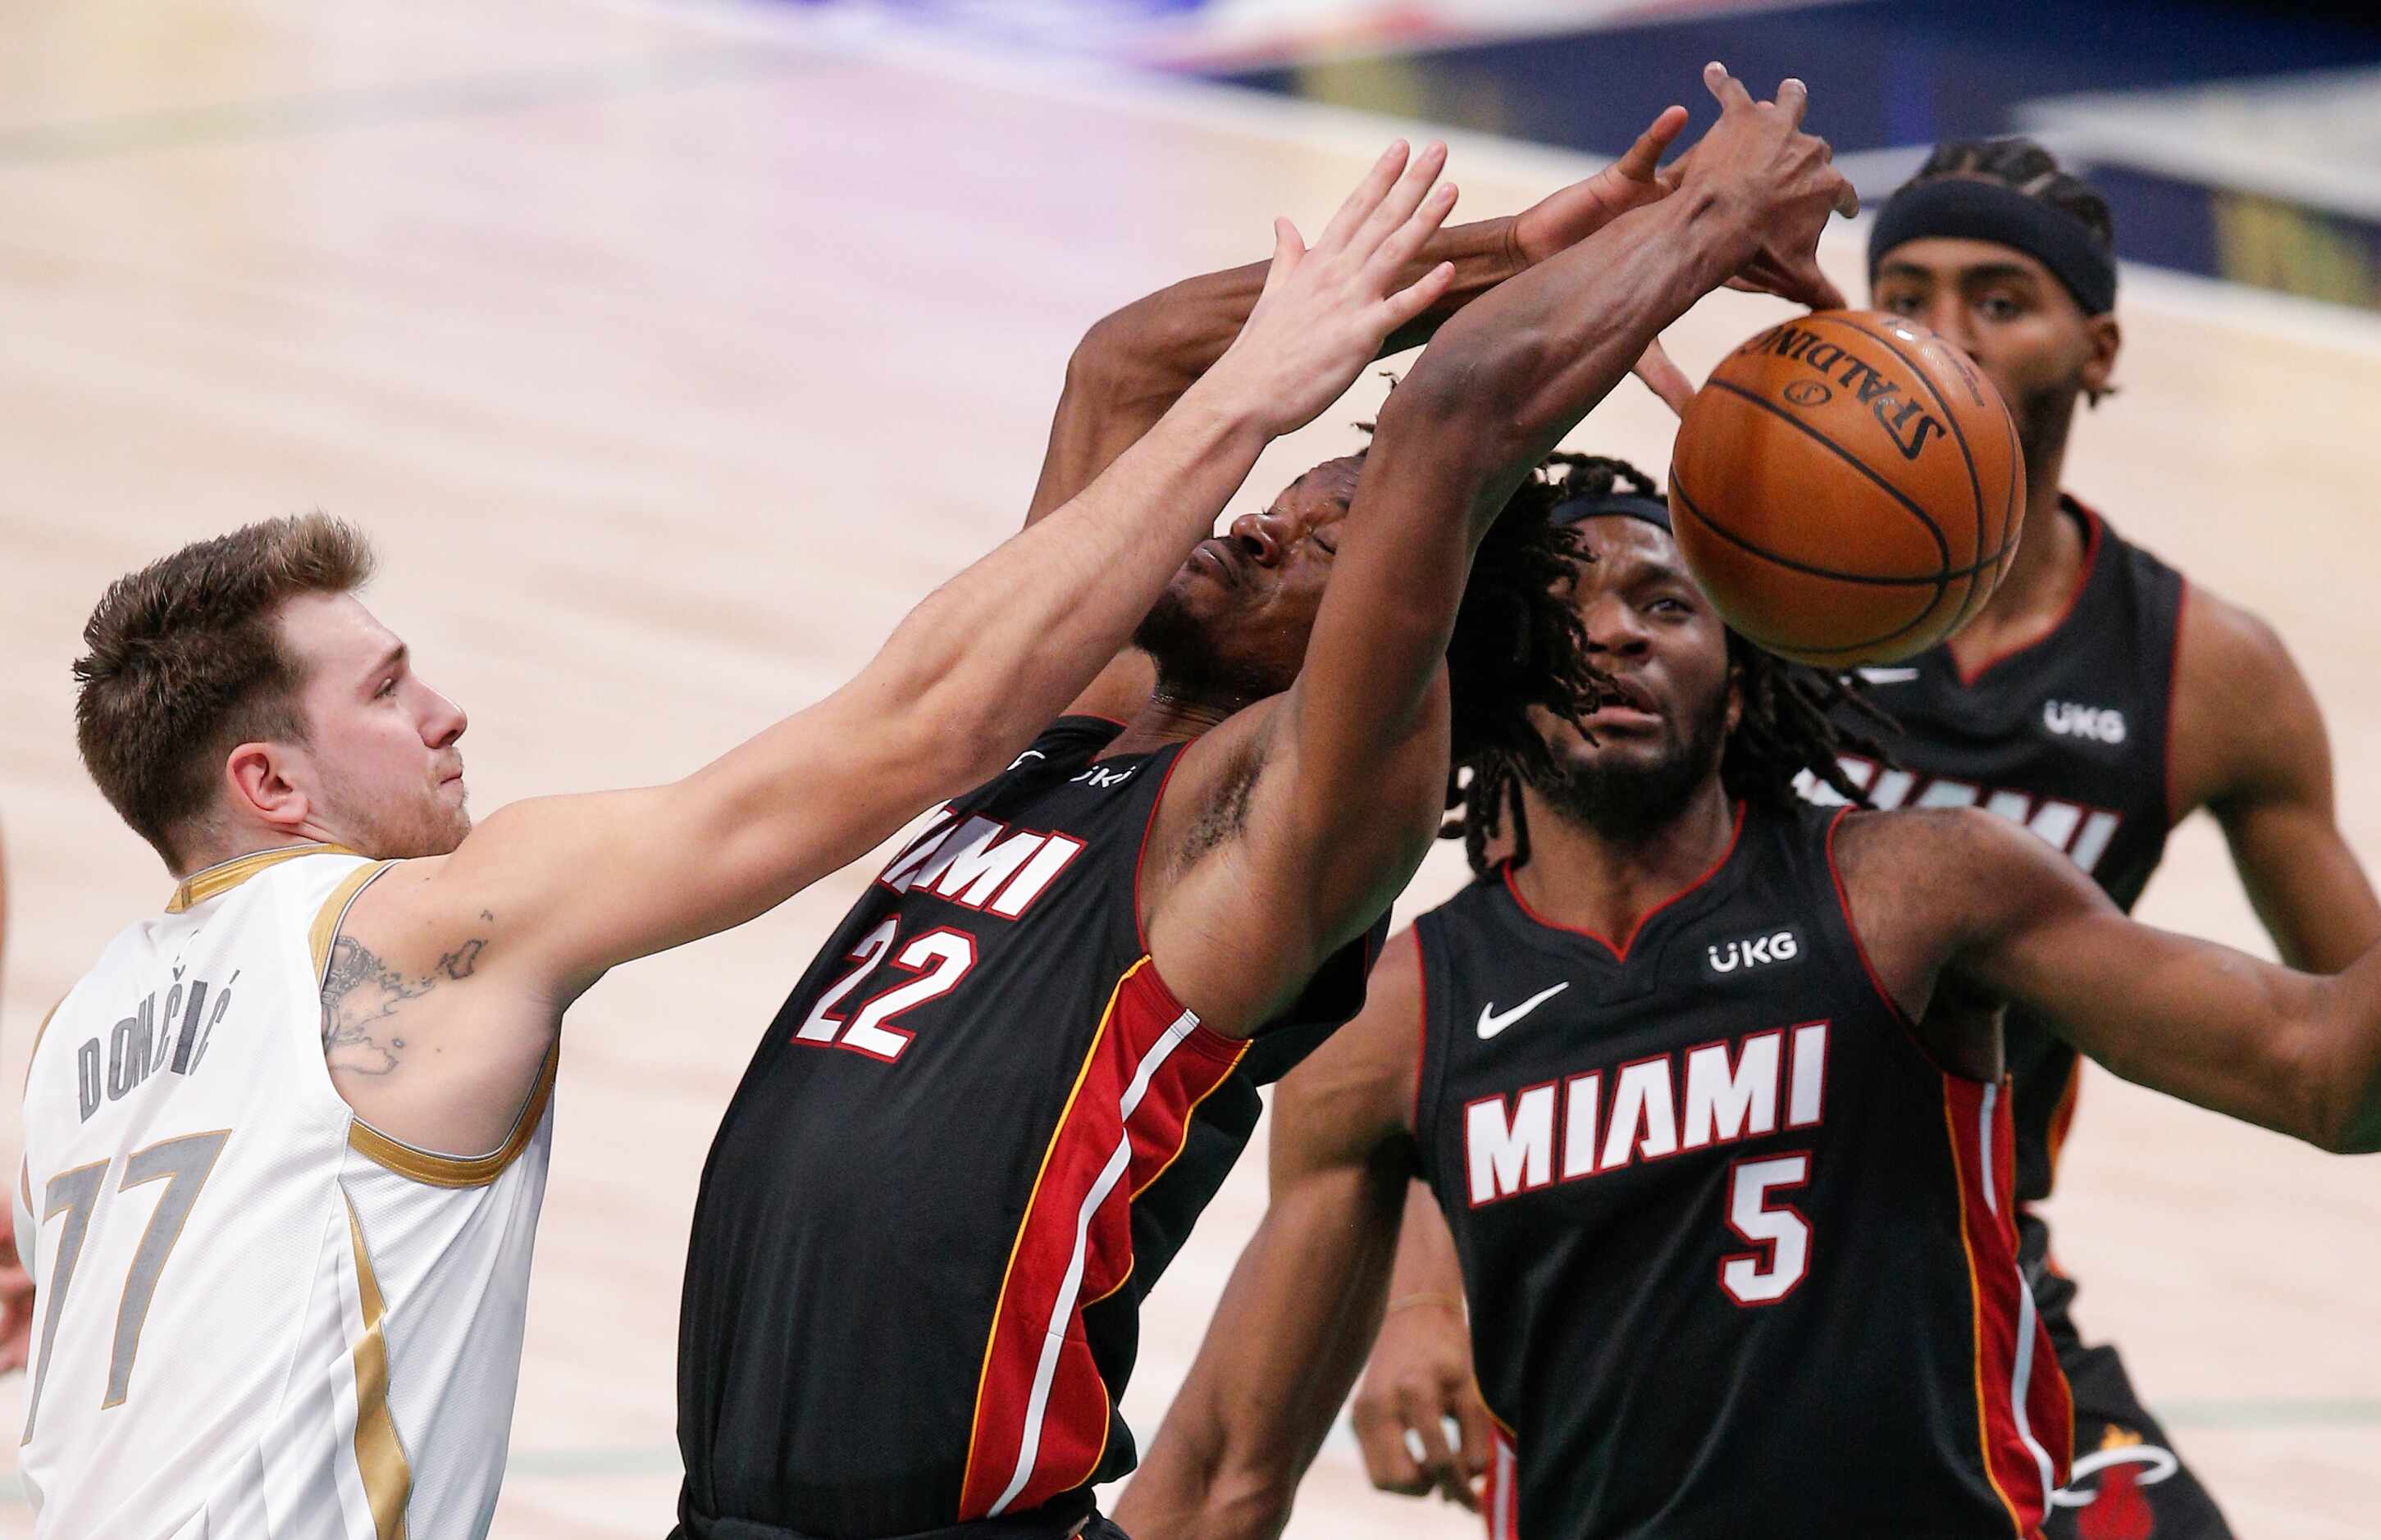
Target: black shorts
<point>2129,1484</point>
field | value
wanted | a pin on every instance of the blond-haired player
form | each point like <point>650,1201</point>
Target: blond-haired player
<point>285,1141</point>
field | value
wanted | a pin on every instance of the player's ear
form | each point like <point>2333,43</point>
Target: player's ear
<point>257,777</point>
<point>1734,697</point>
<point>2100,369</point>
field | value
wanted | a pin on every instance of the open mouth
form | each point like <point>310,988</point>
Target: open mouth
<point>1221,557</point>
<point>1623,702</point>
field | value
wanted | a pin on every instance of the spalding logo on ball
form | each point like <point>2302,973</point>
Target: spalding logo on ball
<point>1848,488</point>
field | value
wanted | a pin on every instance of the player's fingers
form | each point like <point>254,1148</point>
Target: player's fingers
<point>1425,1422</point>
<point>1806,285</point>
<point>1286,251</point>
<point>1410,301</point>
<point>1795,98</point>
<point>1664,378</point>
<point>1360,204</point>
<point>1726,88</point>
<point>1406,242</point>
<point>1847,196</point>
<point>1381,1435</point>
<point>1411,191</point>
<point>1479,1446</point>
<point>1644,157</point>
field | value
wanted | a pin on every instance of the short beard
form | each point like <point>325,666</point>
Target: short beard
<point>387,831</point>
<point>1188,666</point>
<point>1629,804</point>
<point>2045,417</point>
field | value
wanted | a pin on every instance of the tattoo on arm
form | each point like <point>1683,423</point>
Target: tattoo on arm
<point>362,997</point>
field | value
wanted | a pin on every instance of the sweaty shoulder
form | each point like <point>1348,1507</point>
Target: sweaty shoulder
<point>1922,886</point>
<point>2245,724</point>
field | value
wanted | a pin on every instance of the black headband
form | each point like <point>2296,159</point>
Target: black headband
<point>1973,208</point>
<point>1623,505</point>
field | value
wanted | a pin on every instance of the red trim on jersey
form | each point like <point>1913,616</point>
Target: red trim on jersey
<point>2173,687</point>
<point>1140,851</point>
<point>1041,1403</point>
<point>1500,1489</point>
<point>2091,542</point>
<point>1997,1291</point>
<point>1620,953</point>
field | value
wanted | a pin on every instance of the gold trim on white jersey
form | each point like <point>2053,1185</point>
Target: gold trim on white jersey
<point>224,875</point>
<point>380,1456</point>
<point>441,1170</point>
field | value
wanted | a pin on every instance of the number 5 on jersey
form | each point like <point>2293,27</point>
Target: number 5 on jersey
<point>942,956</point>
<point>1767,1275</point>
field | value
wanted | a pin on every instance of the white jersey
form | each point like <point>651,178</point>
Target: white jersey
<point>256,1318</point>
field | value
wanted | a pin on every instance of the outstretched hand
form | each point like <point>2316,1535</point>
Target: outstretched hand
<point>1327,309</point>
<point>1757,159</point>
<point>1557,223</point>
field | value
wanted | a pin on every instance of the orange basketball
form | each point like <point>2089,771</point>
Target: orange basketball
<point>1848,488</point>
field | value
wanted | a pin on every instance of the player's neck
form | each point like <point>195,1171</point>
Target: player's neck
<point>2040,588</point>
<point>1167,718</point>
<point>1595,881</point>
<point>248,840</point>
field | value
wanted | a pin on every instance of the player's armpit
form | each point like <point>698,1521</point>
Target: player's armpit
<point>1305,1300</point>
<point>2288,1051</point>
<point>2249,743</point>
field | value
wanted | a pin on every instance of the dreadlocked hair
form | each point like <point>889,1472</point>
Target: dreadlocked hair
<point>2029,169</point>
<point>1519,643</point>
<point>1794,718</point>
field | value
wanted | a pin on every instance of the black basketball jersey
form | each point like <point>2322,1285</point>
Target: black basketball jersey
<point>1739,1256</point>
<point>971,1142</point>
<point>2067,737</point>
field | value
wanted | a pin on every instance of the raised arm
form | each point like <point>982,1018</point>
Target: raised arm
<point>547,894</point>
<point>2249,744</point>
<point>1982,901</point>
<point>1331,793</point>
<point>1305,1299</point>
<point>1135,363</point>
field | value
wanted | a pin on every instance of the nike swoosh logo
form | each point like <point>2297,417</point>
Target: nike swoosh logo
<point>1888,676</point>
<point>1491,1024</point>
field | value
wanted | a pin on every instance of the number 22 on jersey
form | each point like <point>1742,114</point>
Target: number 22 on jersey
<point>940,957</point>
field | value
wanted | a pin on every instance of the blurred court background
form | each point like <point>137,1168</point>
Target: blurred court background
<point>671,351</point>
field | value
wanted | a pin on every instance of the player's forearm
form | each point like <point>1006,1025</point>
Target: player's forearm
<point>1427,1275</point>
<point>984,661</point>
<point>1171,337</point>
<point>1510,377</point>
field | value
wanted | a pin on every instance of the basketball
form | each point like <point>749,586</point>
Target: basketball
<point>1848,488</point>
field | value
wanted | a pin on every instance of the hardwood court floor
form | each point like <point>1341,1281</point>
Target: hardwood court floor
<point>670,354</point>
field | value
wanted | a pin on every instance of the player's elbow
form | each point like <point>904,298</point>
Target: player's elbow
<point>1250,1502</point>
<point>2331,1081</point>
<point>1224,1499</point>
<point>1131,351</point>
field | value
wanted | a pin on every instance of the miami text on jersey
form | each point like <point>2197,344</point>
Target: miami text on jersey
<point>1603,1120</point>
